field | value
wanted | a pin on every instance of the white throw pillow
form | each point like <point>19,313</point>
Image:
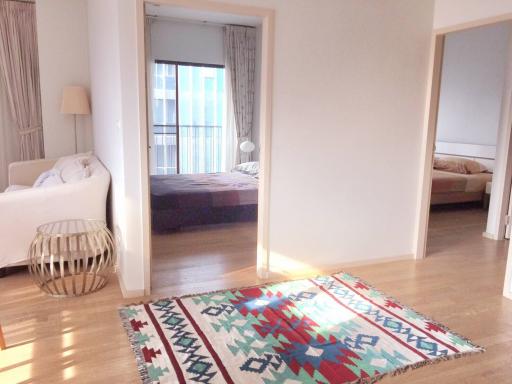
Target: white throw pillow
<point>251,168</point>
<point>16,187</point>
<point>48,179</point>
<point>65,160</point>
<point>74,168</point>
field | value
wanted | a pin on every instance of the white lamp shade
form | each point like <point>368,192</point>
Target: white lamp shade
<point>75,101</point>
<point>247,146</point>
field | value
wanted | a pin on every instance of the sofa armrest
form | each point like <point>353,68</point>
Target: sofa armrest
<point>23,211</point>
<point>26,172</point>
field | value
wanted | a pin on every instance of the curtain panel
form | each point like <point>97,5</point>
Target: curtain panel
<point>19,67</point>
<point>240,58</point>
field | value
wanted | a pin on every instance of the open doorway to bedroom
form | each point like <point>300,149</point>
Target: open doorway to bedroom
<point>470,182</point>
<point>204,133</point>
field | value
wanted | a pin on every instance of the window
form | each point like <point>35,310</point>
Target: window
<point>188,118</point>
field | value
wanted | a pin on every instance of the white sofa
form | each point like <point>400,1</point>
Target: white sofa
<point>22,211</point>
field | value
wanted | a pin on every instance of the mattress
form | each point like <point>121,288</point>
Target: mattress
<point>449,187</point>
<point>198,199</point>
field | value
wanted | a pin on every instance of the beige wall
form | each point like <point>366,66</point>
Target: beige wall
<point>452,12</point>
<point>349,97</point>
<point>64,60</point>
<point>348,108</point>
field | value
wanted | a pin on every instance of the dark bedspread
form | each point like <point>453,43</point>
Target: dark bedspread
<point>184,200</point>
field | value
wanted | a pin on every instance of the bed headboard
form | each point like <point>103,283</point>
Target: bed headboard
<point>484,154</point>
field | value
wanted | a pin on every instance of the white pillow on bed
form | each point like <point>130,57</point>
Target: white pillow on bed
<point>251,168</point>
<point>459,165</point>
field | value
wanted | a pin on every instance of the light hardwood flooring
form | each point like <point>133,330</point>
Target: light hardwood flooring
<point>81,340</point>
<point>204,259</point>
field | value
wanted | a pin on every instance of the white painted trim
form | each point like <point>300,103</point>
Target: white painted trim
<point>128,294</point>
<point>507,286</point>
<point>489,236</point>
<point>428,142</point>
<point>326,269</point>
<point>143,148</point>
<point>499,202</point>
<point>267,59</point>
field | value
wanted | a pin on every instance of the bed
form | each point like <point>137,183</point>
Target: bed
<point>450,187</point>
<point>179,201</point>
<point>461,172</point>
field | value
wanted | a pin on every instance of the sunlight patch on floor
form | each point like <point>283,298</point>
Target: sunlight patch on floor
<point>16,363</point>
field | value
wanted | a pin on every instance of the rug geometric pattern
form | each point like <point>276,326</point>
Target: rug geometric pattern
<point>329,329</point>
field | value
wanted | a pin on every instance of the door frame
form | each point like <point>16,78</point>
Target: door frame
<point>429,138</point>
<point>266,90</point>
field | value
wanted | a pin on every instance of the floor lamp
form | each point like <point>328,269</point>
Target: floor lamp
<point>75,102</point>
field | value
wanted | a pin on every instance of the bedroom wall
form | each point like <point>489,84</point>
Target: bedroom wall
<point>472,85</point>
<point>63,60</point>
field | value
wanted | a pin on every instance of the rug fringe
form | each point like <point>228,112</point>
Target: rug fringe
<point>141,364</point>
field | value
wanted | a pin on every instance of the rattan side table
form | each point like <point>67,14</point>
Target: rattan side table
<point>72,257</point>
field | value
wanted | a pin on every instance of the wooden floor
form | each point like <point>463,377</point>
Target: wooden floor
<point>82,341</point>
<point>204,259</point>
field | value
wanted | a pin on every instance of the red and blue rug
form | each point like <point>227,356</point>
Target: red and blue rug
<point>329,329</point>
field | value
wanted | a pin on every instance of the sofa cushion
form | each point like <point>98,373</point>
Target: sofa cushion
<point>16,187</point>
<point>74,168</point>
<point>48,179</point>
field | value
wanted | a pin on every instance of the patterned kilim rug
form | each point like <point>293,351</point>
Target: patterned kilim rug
<point>329,329</point>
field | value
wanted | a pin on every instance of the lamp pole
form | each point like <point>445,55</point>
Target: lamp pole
<point>76,145</point>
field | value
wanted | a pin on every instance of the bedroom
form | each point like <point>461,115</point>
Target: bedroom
<point>204,143</point>
<point>471,145</point>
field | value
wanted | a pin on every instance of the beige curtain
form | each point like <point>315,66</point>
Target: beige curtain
<point>240,57</point>
<point>19,67</point>
<point>9,138</point>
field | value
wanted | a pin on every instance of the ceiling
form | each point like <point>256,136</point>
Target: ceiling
<point>201,16</point>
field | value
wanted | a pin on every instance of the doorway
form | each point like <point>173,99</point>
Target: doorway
<point>453,210</point>
<point>210,238</point>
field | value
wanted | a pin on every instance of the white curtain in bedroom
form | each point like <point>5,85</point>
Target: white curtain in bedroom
<point>240,58</point>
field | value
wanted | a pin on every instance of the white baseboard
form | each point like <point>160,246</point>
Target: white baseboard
<point>490,236</point>
<point>128,294</point>
<point>333,268</point>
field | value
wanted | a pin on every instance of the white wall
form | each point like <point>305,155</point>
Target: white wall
<point>348,107</point>
<point>472,84</point>
<point>63,60</point>
<point>449,13</point>
<point>187,42</point>
<point>106,111</point>
<point>135,194</point>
